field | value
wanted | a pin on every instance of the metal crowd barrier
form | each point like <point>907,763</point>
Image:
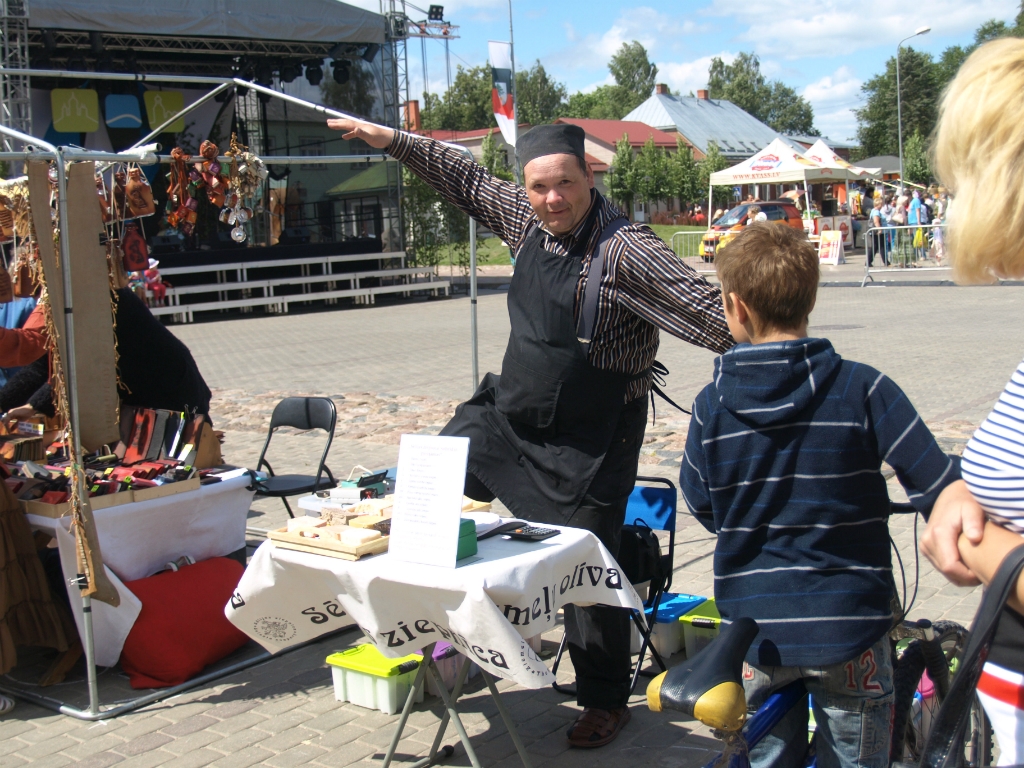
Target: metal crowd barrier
<point>689,246</point>
<point>910,246</point>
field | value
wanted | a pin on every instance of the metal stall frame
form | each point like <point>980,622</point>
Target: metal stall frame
<point>37,149</point>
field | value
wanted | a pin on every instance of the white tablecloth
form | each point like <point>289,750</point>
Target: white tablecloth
<point>138,539</point>
<point>485,607</point>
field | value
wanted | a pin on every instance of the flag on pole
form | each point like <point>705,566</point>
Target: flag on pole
<point>500,55</point>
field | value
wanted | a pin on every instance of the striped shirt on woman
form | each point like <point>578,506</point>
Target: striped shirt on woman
<point>783,462</point>
<point>645,285</point>
<point>993,468</point>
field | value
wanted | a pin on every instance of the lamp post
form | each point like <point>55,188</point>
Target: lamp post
<point>899,105</point>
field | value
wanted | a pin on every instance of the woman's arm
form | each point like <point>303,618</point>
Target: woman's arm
<point>985,557</point>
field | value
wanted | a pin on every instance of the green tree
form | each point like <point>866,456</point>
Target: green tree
<point>920,90</point>
<point>634,82</point>
<point>915,160</point>
<point>772,102</point>
<point>621,177</point>
<point>466,106</point>
<point>633,72</point>
<point>494,159</point>
<point>539,98</point>
<point>710,163</point>
<point>684,176</point>
<point>435,230</point>
<point>922,80</point>
<point>653,174</point>
<point>608,102</point>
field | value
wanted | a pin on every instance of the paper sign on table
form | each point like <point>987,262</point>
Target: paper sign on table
<point>428,499</point>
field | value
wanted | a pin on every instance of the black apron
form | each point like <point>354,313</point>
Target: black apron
<point>539,431</point>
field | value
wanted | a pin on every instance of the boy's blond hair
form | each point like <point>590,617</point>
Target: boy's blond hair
<point>774,269</point>
<point>977,153</point>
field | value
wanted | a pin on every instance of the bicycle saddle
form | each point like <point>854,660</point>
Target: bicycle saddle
<point>709,687</point>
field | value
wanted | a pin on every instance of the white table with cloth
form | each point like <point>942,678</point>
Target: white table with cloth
<point>486,607</point>
<point>140,538</point>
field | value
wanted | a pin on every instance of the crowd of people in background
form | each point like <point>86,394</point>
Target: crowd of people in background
<point>905,229</point>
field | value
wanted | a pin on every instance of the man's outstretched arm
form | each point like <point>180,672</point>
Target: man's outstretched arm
<point>500,205</point>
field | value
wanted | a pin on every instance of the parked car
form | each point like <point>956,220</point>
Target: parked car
<point>734,220</point>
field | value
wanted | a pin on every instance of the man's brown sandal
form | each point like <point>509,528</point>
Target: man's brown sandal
<point>597,727</point>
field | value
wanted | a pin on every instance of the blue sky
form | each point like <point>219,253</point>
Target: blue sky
<point>824,48</point>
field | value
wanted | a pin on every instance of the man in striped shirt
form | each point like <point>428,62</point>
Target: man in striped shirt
<point>557,436</point>
<point>783,462</point>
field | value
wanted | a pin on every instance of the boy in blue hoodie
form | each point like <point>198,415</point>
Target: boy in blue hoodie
<point>783,462</point>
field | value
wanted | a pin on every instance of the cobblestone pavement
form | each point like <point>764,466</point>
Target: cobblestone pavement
<point>401,367</point>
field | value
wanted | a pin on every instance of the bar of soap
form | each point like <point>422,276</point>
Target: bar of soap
<point>374,506</point>
<point>355,537</point>
<point>299,523</point>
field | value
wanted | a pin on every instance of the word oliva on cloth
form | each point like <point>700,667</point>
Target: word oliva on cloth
<point>544,604</point>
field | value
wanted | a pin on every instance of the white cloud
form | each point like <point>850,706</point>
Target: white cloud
<point>834,97</point>
<point>651,28</point>
<point>797,28</point>
<point>683,77</point>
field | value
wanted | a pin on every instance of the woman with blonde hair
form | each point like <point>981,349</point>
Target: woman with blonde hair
<point>978,520</point>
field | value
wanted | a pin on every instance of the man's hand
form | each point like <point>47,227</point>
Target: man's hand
<point>955,512</point>
<point>377,136</point>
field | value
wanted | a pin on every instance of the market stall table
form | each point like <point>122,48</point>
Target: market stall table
<point>140,538</point>
<point>487,607</point>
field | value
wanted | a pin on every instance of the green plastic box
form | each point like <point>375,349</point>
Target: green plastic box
<point>700,626</point>
<point>467,538</point>
<point>367,678</point>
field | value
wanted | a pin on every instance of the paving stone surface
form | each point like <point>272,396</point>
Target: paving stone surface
<point>401,367</point>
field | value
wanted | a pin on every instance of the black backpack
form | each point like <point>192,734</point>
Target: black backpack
<point>640,555</point>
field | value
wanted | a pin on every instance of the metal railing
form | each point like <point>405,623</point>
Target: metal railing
<point>690,247</point>
<point>908,246</point>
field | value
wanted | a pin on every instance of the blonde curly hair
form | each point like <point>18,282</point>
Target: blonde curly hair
<point>979,154</point>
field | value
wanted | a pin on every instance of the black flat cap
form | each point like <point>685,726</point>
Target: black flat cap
<point>561,139</point>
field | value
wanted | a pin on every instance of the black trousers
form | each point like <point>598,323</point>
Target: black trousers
<point>598,636</point>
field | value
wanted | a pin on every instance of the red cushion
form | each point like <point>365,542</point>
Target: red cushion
<point>182,626</point>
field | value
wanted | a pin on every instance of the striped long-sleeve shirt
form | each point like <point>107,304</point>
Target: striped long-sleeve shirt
<point>993,462</point>
<point>645,285</point>
<point>783,461</point>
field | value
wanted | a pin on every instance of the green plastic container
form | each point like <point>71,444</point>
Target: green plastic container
<point>367,678</point>
<point>700,626</point>
<point>467,538</point>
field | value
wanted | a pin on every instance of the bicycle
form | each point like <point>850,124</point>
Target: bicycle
<point>709,688</point>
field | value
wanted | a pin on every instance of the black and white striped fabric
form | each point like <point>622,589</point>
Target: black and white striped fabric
<point>993,462</point>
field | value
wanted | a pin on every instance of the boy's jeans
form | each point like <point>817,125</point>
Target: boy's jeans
<point>852,708</point>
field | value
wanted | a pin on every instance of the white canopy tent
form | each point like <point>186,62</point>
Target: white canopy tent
<point>780,163</point>
<point>823,155</point>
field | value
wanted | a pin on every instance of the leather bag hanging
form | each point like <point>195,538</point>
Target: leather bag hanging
<point>136,252</point>
<point>6,287</point>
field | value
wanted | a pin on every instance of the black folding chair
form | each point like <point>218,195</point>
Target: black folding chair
<point>655,508</point>
<point>299,413</point>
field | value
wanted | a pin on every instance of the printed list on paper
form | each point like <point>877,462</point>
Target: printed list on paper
<point>428,499</point>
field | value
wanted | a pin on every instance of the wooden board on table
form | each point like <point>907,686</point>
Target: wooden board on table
<point>330,547</point>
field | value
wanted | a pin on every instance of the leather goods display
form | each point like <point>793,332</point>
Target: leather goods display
<point>136,252</point>
<point>6,287</point>
<point>181,628</point>
<point>154,435</point>
<point>139,194</point>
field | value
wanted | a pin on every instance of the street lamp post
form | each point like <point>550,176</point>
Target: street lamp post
<point>899,105</point>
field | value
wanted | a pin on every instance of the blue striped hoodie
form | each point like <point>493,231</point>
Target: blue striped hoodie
<point>783,462</point>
